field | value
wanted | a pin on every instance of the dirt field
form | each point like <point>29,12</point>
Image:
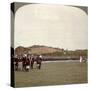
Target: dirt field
<point>53,73</point>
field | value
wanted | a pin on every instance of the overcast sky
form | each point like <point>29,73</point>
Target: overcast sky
<point>51,25</point>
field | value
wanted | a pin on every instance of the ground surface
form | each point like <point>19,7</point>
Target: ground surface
<point>53,73</point>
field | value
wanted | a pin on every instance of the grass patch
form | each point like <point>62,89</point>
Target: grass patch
<point>54,73</point>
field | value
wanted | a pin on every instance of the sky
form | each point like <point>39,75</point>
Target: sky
<point>51,25</point>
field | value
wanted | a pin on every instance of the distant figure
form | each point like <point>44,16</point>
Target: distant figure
<point>16,65</point>
<point>32,62</point>
<point>39,61</point>
<point>81,59</point>
<point>24,63</point>
<point>27,65</point>
<point>20,64</point>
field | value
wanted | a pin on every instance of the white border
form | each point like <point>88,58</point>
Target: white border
<point>5,44</point>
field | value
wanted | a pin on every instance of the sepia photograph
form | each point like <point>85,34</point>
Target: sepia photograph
<point>49,44</point>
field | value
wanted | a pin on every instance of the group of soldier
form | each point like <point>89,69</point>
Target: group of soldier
<point>26,62</point>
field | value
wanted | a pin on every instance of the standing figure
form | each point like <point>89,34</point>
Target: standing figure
<point>39,61</point>
<point>27,64</point>
<point>24,63</point>
<point>81,59</point>
<point>16,63</point>
<point>32,61</point>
